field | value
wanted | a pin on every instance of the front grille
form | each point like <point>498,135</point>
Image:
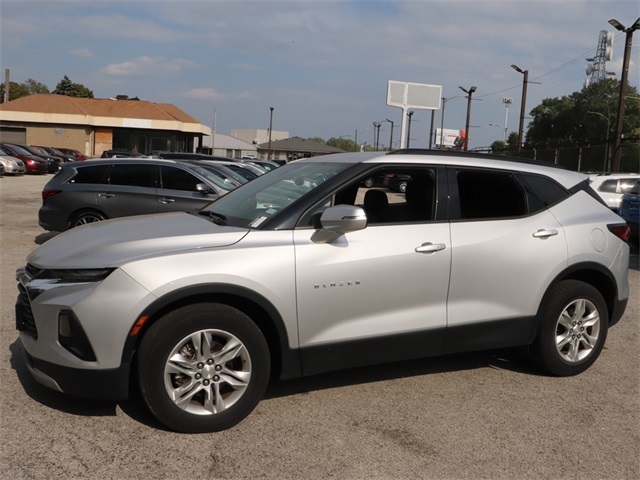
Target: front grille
<point>24,316</point>
<point>32,271</point>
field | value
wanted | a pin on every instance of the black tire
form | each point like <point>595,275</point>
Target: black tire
<point>573,324</point>
<point>212,392</point>
<point>368,182</point>
<point>86,216</point>
<point>402,187</point>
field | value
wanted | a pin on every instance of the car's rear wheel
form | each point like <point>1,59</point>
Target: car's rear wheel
<point>573,328</point>
<point>85,217</point>
<point>203,367</point>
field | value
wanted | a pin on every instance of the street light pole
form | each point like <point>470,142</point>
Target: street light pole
<point>616,153</point>
<point>409,114</point>
<point>391,135</point>
<point>270,128</point>
<point>523,103</point>
<point>469,94</point>
<point>507,101</point>
<point>376,135</point>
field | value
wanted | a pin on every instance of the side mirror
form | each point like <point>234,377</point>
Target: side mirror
<point>338,220</point>
<point>204,189</point>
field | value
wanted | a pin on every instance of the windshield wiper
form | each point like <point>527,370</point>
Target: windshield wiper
<point>217,218</point>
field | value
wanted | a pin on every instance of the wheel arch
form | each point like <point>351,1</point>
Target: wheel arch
<point>285,361</point>
<point>76,213</point>
<point>600,278</point>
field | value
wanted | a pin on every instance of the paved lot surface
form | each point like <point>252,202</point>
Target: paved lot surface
<point>477,416</point>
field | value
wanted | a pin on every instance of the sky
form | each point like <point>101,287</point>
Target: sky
<point>322,65</point>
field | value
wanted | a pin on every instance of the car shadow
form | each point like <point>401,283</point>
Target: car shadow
<point>511,360</point>
<point>43,237</point>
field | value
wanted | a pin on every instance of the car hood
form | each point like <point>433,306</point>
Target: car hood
<point>114,242</point>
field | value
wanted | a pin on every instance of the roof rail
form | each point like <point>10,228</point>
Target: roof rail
<point>457,153</point>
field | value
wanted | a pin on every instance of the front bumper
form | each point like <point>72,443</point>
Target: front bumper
<point>110,384</point>
<point>104,311</point>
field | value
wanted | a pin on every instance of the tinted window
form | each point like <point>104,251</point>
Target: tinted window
<point>177,179</point>
<point>136,175</point>
<point>490,195</point>
<point>608,186</point>
<point>94,174</point>
<point>626,184</point>
<point>545,189</point>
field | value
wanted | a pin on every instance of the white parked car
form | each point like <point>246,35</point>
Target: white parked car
<point>306,270</point>
<point>612,186</point>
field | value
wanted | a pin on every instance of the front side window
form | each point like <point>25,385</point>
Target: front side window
<point>488,194</point>
<point>177,179</point>
<point>389,195</point>
<point>608,186</point>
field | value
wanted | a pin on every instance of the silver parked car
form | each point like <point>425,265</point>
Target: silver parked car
<point>305,270</point>
<point>87,192</point>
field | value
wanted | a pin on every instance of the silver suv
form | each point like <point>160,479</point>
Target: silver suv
<point>306,270</point>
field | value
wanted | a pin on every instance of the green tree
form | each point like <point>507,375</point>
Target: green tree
<point>35,87</point>
<point>587,119</point>
<point>71,89</point>
<point>16,90</point>
<point>342,143</point>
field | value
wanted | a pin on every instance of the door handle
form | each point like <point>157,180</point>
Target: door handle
<point>167,200</point>
<point>430,247</point>
<point>545,233</point>
<point>106,195</point>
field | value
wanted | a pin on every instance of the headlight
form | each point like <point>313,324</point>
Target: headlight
<point>70,275</point>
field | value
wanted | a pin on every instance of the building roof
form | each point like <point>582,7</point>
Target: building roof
<point>61,109</point>
<point>229,142</point>
<point>297,144</point>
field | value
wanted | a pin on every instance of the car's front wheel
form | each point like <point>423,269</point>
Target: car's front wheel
<point>203,367</point>
<point>573,328</point>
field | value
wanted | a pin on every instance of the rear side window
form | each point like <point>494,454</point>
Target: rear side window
<point>545,189</point>
<point>608,186</point>
<point>93,174</point>
<point>490,195</point>
<point>135,175</point>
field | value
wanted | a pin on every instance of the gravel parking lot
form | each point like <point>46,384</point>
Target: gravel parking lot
<point>486,415</point>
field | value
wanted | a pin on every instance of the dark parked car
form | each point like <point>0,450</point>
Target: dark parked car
<point>89,192</point>
<point>630,211</point>
<point>34,164</point>
<point>120,153</point>
<point>398,183</point>
<point>70,151</point>
<point>55,152</point>
<point>53,161</point>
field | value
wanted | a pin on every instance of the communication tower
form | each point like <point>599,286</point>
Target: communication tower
<point>597,69</point>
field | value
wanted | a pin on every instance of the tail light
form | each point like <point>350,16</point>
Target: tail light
<point>49,193</point>
<point>620,230</point>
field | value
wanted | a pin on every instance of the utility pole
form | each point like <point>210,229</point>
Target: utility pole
<point>615,151</point>
<point>522,104</point>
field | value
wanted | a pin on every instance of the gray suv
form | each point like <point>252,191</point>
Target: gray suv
<point>306,270</point>
<point>96,190</point>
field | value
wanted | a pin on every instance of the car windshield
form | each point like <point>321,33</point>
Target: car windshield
<point>20,150</point>
<point>256,201</point>
<point>214,177</point>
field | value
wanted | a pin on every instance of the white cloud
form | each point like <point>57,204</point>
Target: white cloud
<point>82,53</point>
<point>148,66</point>
<point>213,94</point>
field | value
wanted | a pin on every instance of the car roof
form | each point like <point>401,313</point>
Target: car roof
<point>565,177</point>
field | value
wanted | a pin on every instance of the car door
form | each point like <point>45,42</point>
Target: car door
<point>373,295</point>
<point>129,190</point>
<point>178,191</point>
<point>504,256</point>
